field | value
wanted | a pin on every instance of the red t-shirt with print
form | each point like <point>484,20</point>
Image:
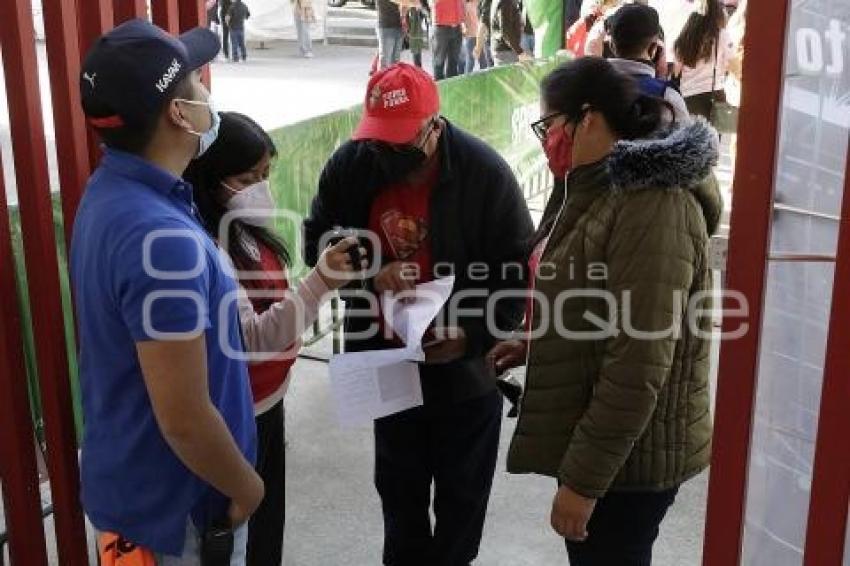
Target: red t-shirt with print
<point>401,218</point>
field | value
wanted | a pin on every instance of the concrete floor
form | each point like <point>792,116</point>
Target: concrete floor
<point>334,517</point>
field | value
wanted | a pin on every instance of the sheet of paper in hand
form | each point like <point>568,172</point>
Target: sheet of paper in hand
<point>411,314</point>
<point>374,384</point>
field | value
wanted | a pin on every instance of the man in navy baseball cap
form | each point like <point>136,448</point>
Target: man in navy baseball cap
<point>170,436</point>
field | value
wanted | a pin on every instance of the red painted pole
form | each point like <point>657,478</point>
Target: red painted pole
<point>129,9</point>
<point>18,472</point>
<point>827,528</point>
<point>193,13</point>
<point>749,238</point>
<point>94,18</point>
<point>28,144</point>
<point>166,14</point>
<point>63,57</point>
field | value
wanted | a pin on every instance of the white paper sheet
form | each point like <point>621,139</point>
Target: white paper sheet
<point>411,318</point>
<point>371,385</point>
<point>374,384</point>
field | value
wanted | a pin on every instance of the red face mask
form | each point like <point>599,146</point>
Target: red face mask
<point>559,150</point>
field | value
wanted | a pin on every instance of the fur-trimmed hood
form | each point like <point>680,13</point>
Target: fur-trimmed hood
<point>681,158</point>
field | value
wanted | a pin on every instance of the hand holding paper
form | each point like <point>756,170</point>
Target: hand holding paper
<point>374,384</point>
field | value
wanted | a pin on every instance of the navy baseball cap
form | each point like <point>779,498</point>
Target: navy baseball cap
<point>131,71</point>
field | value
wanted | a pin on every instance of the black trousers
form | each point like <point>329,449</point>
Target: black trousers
<point>622,530</point>
<point>265,530</point>
<point>454,446</point>
<point>448,42</point>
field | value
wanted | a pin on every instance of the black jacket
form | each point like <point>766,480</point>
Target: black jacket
<point>478,215</point>
<point>238,14</point>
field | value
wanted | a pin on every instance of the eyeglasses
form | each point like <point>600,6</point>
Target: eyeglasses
<point>541,126</point>
<point>405,148</point>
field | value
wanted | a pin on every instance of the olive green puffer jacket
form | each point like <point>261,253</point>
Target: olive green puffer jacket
<point>618,410</point>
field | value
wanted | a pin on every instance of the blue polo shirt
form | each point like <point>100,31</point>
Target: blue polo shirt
<point>143,268</point>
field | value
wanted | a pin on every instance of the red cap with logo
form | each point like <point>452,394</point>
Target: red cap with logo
<point>399,100</point>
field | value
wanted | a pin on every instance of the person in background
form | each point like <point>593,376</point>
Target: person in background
<point>482,52</point>
<point>304,16</point>
<point>599,11</point>
<point>527,42</point>
<point>598,43</point>
<point>413,22</point>
<point>619,421</point>
<point>572,12</point>
<point>213,21</point>
<point>635,37</point>
<point>449,16</point>
<point>390,34</point>
<point>170,440</point>
<point>417,182</point>
<point>224,6</point>
<point>734,83</point>
<point>232,178</point>
<point>506,32</point>
<point>703,51</point>
<point>470,38</point>
<point>236,17</point>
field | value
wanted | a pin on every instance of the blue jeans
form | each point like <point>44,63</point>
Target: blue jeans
<point>390,41</point>
<point>237,43</point>
<point>192,549</point>
<point>527,43</point>
<point>302,28</point>
<point>484,60</point>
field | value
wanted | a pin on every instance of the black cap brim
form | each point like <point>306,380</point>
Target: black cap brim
<point>202,46</point>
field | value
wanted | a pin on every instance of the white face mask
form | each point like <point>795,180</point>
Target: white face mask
<point>255,204</point>
<point>205,139</point>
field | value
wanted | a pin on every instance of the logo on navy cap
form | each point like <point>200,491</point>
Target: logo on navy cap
<point>166,80</point>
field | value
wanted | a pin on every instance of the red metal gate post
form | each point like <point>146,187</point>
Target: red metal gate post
<point>94,18</point>
<point>63,57</point>
<point>129,9</point>
<point>749,239</point>
<point>166,14</point>
<point>18,472</point>
<point>827,528</point>
<point>28,142</point>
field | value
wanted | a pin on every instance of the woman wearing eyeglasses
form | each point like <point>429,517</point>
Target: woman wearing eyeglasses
<point>616,407</point>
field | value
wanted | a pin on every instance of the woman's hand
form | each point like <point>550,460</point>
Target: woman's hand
<point>570,514</point>
<point>507,355</point>
<point>335,267</point>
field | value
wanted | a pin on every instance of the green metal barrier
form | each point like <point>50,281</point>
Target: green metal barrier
<point>497,105</point>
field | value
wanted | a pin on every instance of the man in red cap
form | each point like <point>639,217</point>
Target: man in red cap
<point>439,202</point>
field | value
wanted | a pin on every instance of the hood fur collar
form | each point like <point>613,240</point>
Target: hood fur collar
<point>681,157</point>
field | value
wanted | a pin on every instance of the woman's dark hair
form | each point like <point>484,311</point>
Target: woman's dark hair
<point>593,83</point>
<point>701,33</point>
<point>240,145</point>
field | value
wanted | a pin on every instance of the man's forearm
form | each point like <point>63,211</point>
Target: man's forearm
<point>205,446</point>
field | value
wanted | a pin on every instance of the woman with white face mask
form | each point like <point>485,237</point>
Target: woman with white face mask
<point>235,202</point>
